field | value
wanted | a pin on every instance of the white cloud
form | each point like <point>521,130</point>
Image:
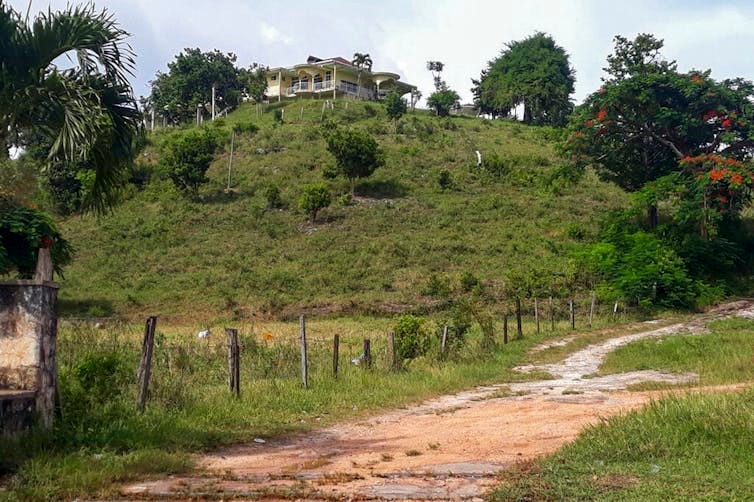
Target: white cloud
<point>272,35</point>
<point>402,35</point>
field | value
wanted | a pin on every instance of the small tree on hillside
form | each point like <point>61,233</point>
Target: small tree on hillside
<point>395,105</point>
<point>187,157</point>
<point>444,98</point>
<point>356,153</point>
<point>314,198</point>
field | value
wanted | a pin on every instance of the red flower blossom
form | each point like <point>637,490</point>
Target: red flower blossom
<point>727,123</point>
<point>723,199</point>
<point>601,115</point>
<point>589,123</point>
<point>717,174</point>
<point>45,242</point>
<point>696,79</point>
<point>736,179</point>
<point>711,114</point>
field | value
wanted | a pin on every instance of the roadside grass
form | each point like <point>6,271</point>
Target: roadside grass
<point>696,447</point>
<point>724,355</point>
<point>102,441</point>
<point>602,330</point>
<point>232,256</point>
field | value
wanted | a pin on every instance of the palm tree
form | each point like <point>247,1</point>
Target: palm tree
<point>361,61</point>
<point>86,112</point>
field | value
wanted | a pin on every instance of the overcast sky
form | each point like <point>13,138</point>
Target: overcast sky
<point>401,35</point>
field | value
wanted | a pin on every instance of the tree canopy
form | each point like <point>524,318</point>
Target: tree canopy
<point>85,113</point>
<point>189,80</point>
<point>534,72</point>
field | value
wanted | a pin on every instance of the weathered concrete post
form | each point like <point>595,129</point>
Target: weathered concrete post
<point>28,341</point>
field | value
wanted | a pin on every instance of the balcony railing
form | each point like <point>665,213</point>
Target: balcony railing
<point>328,85</point>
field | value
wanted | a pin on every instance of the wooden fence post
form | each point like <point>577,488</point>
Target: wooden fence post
<point>505,329</point>
<point>519,328</point>
<point>367,353</point>
<point>572,313</point>
<point>591,308</point>
<point>552,316</point>
<point>145,365</point>
<point>444,342</point>
<point>304,362</point>
<point>234,366</point>
<point>615,310</point>
<point>335,355</point>
<point>536,313</point>
<point>392,352</point>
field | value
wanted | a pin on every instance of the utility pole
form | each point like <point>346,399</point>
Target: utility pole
<point>230,161</point>
<point>213,101</point>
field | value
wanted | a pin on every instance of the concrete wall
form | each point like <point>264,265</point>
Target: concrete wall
<point>28,339</point>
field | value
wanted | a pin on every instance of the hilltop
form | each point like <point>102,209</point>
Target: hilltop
<point>390,248</point>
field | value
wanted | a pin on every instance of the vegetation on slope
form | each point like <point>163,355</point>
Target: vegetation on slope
<point>430,210</point>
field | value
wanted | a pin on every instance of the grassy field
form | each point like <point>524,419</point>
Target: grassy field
<point>725,355</point>
<point>696,447</point>
<point>102,441</point>
<point>230,256</point>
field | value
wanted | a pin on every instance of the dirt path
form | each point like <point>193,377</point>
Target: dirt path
<point>445,449</point>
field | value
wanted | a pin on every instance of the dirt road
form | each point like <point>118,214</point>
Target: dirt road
<point>446,449</point>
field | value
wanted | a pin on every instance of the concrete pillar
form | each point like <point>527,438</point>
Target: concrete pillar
<point>28,342</point>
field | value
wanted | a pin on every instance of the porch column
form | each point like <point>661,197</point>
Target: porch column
<point>334,80</point>
<point>280,86</point>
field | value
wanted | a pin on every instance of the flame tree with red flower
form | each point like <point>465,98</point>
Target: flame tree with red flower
<point>647,117</point>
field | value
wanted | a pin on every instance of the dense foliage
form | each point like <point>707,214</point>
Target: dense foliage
<point>86,113</point>
<point>315,198</point>
<point>356,153</point>
<point>395,106</point>
<point>534,72</point>
<point>186,157</point>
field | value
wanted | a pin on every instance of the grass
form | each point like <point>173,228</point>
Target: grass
<point>725,355</point>
<point>697,447</point>
<point>229,256</point>
<point>102,441</point>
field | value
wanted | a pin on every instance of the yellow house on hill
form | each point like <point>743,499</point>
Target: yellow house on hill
<point>332,78</point>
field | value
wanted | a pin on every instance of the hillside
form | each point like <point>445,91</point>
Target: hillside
<point>229,255</point>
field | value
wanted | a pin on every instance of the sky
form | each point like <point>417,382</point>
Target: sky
<point>402,35</point>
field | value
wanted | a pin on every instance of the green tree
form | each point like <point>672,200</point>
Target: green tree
<point>186,156</point>
<point>189,81</point>
<point>362,62</point>
<point>254,81</point>
<point>356,153</point>
<point>315,198</point>
<point>395,105</point>
<point>647,117</point>
<point>86,113</point>
<point>443,101</point>
<point>534,72</point>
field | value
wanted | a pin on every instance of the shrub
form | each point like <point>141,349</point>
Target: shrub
<point>102,376</point>
<point>273,198</point>
<point>186,157</point>
<point>314,198</point>
<point>445,180</point>
<point>442,101</point>
<point>22,232</point>
<point>246,127</point>
<point>395,106</point>
<point>469,281</point>
<point>496,165</point>
<point>437,286</point>
<point>411,340</point>
<point>356,153</point>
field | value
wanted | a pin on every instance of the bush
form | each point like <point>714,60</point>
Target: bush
<point>442,101</point>
<point>437,286</point>
<point>445,180</point>
<point>245,127</point>
<point>273,198</point>
<point>314,198</point>
<point>356,153</point>
<point>411,340</point>
<point>395,106</point>
<point>22,232</point>
<point>186,157</point>
<point>102,376</point>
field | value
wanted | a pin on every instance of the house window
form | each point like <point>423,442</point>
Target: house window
<point>328,76</point>
<point>274,77</point>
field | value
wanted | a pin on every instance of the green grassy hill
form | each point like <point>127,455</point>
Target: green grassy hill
<point>229,255</point>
